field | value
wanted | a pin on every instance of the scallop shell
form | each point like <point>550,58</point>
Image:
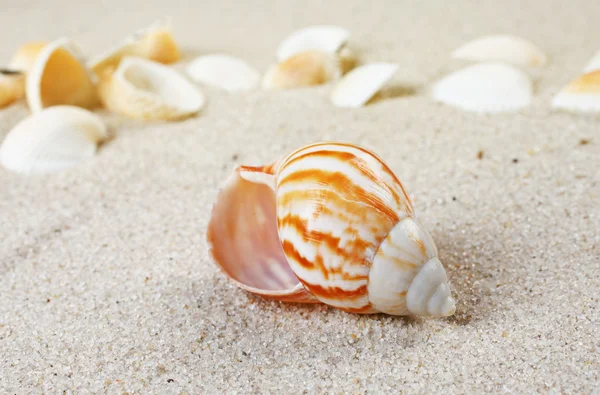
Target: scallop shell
<point>12,86</point>
<point>581,95</point>
<point>143,89</point>
<point>155,43</point>
<point>322,38</point>
<point>51,140</point>
<point>361,84</point>
<point>594,63</point>
<point>328,223</point>
<point>224,71</point>
<point>485,88</point>
<point>23,59</point>
<point>303,69</point>
<point>58,77</point>
<point>502,48</point>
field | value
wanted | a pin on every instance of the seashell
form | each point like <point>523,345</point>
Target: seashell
<point>303,69</point>
<point>158,44</point>
<point>322,38</point>
<point>594,63</point>
<point>347,59</point>
<point>51,140</point>
<point>144,89</point>
<point>23,59</point>
<point>224,71</point>
<point>328,223</point>
<point>485,88</point>
<point>581,95</point>
<point>12,86</point>
<point>502,48</point>
<point>155,43</point>
<point>361,84</point>
<point>58,77</point>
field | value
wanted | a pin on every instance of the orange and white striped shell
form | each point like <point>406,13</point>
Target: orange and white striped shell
<point>328,223</point>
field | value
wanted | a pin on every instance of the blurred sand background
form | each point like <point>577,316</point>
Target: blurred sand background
<point>105,282</point>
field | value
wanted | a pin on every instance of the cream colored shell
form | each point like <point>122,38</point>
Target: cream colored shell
<point>154,43</point>
<point>223,71</point>
<point>320,38</point>
<point>303,69</point>
<point>329,223</point>
<point>580,95</point>
<point>143,89</point>
<point>361,84</point>
<point>25,56</point>
<point>485,88</point>
<point>51,140</point>
<point>12,86</point>
<point>502,48</point>
<point>58,77</point>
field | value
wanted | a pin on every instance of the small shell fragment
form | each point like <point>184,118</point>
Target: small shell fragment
<point>224,71</point>
<point>594,63</point>
<point>502,48</point>
<point>323,38</point>
<point>143,89</point>
<point>347,59</point>
<point>485,88</point>
<point>51,140</point>
<point>361,84</point>
<point>23,59</point>
<point>58,77</point>
<point>12,86</point>
<point>581,95</point>
<point>158,44</point>
<point>155,43</point>
<point>303,69</point>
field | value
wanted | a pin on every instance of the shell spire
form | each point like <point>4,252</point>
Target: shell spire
<point>329,223</point>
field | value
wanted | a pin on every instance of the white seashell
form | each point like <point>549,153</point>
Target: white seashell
<point>12,86</point>
<point>57,77</point>
<point>502,48</point>
<point>143,89</point>
<point>581,95</point>
<point>485,88</point>
<point>594,63</point>
<point>23,59</point>
<point>358,86</point>
<point>303,69</point>
<point>328,223</point>
<point>155,43</point>
<point>323,38</point>
<point>224,71</point>
<point>52,140</point>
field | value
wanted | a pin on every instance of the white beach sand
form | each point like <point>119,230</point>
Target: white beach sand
<point>105,282</point>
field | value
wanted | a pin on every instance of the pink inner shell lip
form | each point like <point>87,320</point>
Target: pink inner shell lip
<point>243,240</point>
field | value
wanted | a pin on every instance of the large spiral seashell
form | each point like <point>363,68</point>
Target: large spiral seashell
<point>328,223</point>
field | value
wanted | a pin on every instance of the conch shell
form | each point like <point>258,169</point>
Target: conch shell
<point>58,77</point>
<point>143,89</point>
<point>12,86</point>
<point>328,223</point>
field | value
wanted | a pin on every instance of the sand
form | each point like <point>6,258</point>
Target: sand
<point>105,282</point>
